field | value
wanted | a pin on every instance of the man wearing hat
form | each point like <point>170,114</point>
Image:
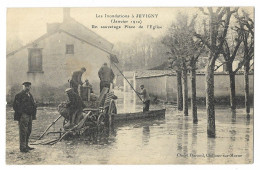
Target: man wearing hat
<point>106,76</point>
<point>25,111</point>
<point>75,106</point>
<point>76,79</point>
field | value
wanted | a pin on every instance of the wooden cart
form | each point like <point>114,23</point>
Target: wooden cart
<point>97,115</point>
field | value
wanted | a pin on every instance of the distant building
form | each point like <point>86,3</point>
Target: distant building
<point>49,60</point>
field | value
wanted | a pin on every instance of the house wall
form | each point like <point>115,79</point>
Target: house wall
<point>57,66</point>
<point>165,87</point>
<point>156,86</point>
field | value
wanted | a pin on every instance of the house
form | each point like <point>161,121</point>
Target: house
<point>48,61</point>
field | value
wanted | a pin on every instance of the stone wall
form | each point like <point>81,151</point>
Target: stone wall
<point>165,87</point>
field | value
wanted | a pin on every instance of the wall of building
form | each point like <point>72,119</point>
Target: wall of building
<point>157,86</point>
<point>57,65</point>
<point>165,87</point>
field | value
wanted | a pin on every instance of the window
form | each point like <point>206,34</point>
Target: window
<point>35,59</point>
<point>69,49</point>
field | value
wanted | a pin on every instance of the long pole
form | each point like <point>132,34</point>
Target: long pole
<point>127,81</point>
<point>49,127</point>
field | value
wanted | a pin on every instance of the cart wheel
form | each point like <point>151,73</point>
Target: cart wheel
<point>65,121</point>
<point>112,108</point>
<point>101,120</point>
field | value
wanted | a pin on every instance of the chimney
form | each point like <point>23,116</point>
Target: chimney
<point>66,14</point>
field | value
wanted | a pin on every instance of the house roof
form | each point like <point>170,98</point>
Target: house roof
<point>78,31</point>
<point>152,73</point>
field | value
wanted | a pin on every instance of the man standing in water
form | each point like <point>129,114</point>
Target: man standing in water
<point>25,111</point>
<point>145,98</point>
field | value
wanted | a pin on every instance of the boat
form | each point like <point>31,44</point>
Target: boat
<point>121,117</point>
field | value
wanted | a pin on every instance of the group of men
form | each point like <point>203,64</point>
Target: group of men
<point>106,76</point>
<point>25,107</point>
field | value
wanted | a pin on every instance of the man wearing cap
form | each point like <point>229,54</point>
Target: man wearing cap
<point>145,98</point>
<point>75,106</point>
<point>106,76</point>
<point>76,79</point>
<point>25,111</point>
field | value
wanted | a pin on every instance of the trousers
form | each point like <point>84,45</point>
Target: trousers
<point>25,129</point>
<point>146,105</point>
<point>74,86</point>
<point>104,84</point>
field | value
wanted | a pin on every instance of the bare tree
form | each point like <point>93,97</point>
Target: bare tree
<point>218,27</point>
<point>198,49</point>
<point>187,50</point>
<point>246,30</point>
<point>230,50</point>
<point>177,40</point>
<point>175,65</point>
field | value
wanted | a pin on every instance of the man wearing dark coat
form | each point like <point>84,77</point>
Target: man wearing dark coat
<point>75,106</point>
<point>25,111</point>
<point>76,79</point>
<point>106,76</point>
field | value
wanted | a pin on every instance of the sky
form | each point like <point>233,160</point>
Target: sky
<point>30,23</point>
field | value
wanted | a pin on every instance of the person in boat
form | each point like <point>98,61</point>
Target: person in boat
<point>75,106</point>
<point>25,111</point>
<point>106,76</point>
<point>145,98</point>
<point>75,80</point>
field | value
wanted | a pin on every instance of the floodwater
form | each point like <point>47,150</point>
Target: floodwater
<point>173,140</point>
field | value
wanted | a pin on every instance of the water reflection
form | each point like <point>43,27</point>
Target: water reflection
<point>211,145</point>
<point>145,138</point>
<point>146,135</point>
<point>179,134</point>
<point>185,135</point>
<point>194,139</point>
<point>233,115</point>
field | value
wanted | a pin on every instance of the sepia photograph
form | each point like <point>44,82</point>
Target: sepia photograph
<point>129,85</point>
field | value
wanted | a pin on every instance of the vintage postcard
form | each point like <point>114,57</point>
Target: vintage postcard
<point>132,86</point>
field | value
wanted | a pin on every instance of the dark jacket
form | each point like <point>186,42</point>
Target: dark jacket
<point>76,77</point>
<point>106,74</point>
<point>24,103</point>
<point>74,102</point>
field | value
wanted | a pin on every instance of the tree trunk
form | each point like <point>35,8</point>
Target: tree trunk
<point>210,100</point>
<point>185,90</point>
<point>179,92</point>
<point>246,72</point>
<point>232,87</point>
<point>193,94</point>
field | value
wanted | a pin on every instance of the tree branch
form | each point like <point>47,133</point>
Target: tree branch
<point>251,65</point>
<point>201,49</point>
<point>240,64</point>
<point>235,50</point>
<point>219,66</point>
<point>204,41</point>
<point>227,20</point>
